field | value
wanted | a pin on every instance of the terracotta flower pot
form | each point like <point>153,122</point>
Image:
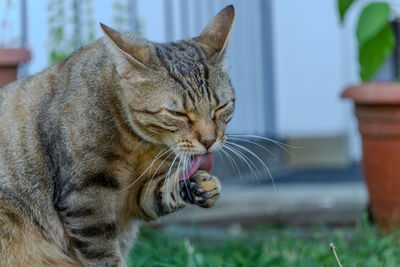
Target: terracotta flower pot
<point>377,108</point>
<point>10,58</point>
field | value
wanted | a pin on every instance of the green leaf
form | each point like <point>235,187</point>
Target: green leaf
<point>373,19</point>
<point>56,56</point>
<point>343,6</point>
<point>375,51</point>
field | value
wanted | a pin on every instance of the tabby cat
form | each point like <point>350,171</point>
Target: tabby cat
<point>120,132</point>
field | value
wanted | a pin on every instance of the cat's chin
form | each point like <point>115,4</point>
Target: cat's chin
<point>200,162</point>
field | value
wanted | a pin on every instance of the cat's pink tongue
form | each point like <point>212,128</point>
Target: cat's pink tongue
<point>200,162</point>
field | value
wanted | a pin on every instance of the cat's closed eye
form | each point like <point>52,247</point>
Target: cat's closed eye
<point>225,111</point>
<point>222,107</point>
<point>178,114</point>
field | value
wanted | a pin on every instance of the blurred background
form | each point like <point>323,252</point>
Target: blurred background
<point>289,62</point>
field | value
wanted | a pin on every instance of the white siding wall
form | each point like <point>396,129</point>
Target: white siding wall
<point>315,59</point>
<point>308,62</point>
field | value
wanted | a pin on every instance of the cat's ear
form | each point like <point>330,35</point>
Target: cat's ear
<point>129,54</point>
<point>214,38</point>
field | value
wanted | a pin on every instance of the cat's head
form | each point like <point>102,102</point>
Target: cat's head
<point>178,93</point>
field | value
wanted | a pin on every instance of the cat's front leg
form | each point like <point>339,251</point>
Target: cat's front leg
<point>202,189</point>
<point>87,211</point>
<point>163,195</point>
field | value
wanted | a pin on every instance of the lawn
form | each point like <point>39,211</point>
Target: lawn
<point>274,246</point>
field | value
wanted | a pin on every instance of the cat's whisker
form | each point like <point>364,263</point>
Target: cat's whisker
<point>142,142</point>
<point>234,158</point>
<point>261,137</point>
<point>174,180</point>
<point>245,159</point>
<point>185,166</point>
<point>151,164</point>
<point>280,144</point>
<point>219,155</point>
<point>177,155</point>
<point>155,172</point>
<point>148,167</point>
<point>268,172</point>
<point>231,160</point>
<point>257,144</point>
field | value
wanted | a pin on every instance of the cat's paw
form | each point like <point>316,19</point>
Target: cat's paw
<point>202,189</point>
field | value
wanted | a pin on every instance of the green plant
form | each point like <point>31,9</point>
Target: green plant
<point>68,31</point>
<point>376,40</point>
<point>265,245</point>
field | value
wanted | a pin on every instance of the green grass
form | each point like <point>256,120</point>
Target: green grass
<point>264,246</point>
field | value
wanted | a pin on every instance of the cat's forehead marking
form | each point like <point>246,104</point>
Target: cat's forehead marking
<point>186,64</point>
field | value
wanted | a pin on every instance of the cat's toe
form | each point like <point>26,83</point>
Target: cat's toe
<point>201,189</point>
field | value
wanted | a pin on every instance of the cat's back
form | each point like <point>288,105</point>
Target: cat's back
<point>23,191</point>
<point>25,94</point>
<point>24,101</point>
<point>21,153</point>
<point>18,99</point>
<point>19,102</point>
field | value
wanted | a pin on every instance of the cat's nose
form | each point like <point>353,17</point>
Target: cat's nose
<point>207,142</point>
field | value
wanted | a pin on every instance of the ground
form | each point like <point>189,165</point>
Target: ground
<point>265,245</point>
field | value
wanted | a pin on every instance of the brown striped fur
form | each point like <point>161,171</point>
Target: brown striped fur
<point>75,138</point>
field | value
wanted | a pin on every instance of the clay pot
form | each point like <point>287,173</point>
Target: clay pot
<point>10,58</point>
<point>377,108</point>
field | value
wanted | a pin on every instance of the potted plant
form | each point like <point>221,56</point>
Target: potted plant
<point>377,108</point>
<point>10,57</point>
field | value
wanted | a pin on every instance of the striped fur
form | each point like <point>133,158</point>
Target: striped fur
<point>75,138</point>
